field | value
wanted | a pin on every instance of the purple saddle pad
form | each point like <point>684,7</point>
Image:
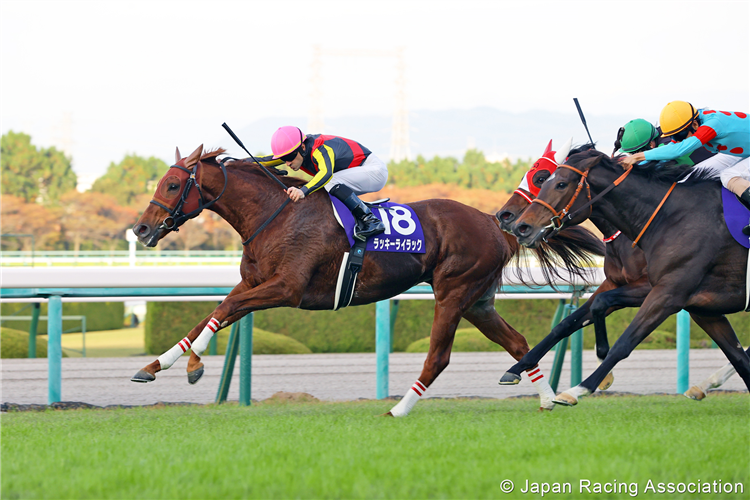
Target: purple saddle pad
<point>403,231</point>
<point>736,216</point>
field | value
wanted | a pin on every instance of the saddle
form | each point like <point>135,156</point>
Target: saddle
<point>403,234</point>
<point>351,265</point>
<point>736,215</point>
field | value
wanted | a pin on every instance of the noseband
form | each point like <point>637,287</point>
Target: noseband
<point>177,217</point>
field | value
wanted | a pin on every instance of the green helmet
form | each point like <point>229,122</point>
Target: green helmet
<point>635,135</point>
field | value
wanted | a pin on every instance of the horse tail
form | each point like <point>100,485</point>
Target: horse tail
<point>572,250</point>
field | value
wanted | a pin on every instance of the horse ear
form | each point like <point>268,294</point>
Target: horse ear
<point>548,148</point>
<point>177,155</point>
<point>194,157</point>
<point>562,153</point>
<point>589,163</point>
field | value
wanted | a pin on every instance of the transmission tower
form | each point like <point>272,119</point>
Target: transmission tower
<point>400,128</point>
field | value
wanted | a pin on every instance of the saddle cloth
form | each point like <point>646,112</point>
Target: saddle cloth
<point>736,216</point>
<point>403,231</point>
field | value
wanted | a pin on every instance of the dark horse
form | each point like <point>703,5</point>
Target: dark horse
<point>295,261</point>
<point>693,261</point>
<point>626,283</point>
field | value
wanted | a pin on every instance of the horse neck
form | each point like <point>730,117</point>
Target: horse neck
<point>249,199</point>
<point>629,206</point>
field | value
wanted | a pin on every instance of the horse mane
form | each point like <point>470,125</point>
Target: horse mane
<point>249,165</point>
<point>212,153</point>
<point>661,171</point>
<point>572,249</point>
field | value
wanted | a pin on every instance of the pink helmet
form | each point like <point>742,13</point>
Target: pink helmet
<point>285,140</point>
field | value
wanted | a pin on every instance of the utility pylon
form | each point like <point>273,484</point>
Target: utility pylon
<point>400,127</point>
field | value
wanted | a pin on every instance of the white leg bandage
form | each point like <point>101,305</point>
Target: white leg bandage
<point>404,406</point>
<point>546,394</point>
<point>201,343</point>
<point>168,358</point>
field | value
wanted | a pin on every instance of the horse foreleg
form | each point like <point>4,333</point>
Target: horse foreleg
<point>484,316</point>
<point>605,303</point>
<point>243,299</point>
<point>441,341</point>
<point>657,307</point>
<point>565,328</point>
<point>196,341</point>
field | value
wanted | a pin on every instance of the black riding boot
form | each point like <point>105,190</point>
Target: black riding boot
<point>746,200</point>
<point>367,224</point>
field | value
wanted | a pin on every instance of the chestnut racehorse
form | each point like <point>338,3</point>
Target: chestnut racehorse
<point>295,260</point>
<point>693,261</point>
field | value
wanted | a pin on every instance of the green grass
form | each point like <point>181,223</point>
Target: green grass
<point>444,449</point>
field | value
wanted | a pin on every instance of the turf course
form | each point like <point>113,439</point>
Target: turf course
<point>444,449</point>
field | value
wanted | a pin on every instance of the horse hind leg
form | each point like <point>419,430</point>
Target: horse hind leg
<point>484,316</point>
<point>699,391</point>
<point>441,341</point>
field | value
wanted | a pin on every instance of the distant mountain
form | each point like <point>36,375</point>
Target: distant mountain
<point>449,132</point>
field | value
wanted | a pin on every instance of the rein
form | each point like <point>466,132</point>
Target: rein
<point>558,220</point>
<point>176,216</point>
<point>269,174</point>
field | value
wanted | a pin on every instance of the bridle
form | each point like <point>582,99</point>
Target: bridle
<point>177,216</point>
<point>556,221</point>
<point>559,219</point>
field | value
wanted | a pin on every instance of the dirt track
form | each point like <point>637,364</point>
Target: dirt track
<point>331,377</point>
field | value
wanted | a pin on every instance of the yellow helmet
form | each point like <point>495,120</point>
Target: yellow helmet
<point>675,117</point>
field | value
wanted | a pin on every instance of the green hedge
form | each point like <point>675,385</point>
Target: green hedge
<point>168,322</point>
<point>353,329</point>
<point>99,316</point>
<point>15,344</point>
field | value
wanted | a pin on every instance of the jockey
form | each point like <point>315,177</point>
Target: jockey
<point>723,132</point>
<point>639,135</point>
<point>344,167</point>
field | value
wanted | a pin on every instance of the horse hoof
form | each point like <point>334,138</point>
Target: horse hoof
<point>143,376</point>
<point>542,409</point>
<point>695,393</point>
<point>565,400</point>
<point>389,414</point>
<point>509,379</point>
<point>607,382</point>
<point>195,376</point>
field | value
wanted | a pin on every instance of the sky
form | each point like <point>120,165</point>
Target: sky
<point>102,79</point>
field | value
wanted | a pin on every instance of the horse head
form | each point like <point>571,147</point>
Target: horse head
<point>531,183</point>
<point>560,197</point>
<point>178,197</point>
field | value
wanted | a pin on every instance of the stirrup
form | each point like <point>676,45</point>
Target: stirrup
<point>372,227</point>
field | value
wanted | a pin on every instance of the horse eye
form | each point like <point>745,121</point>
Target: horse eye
<point>173,187</point>
<point>562,185</point>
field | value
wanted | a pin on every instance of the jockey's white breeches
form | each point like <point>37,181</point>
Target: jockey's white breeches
<point>369,177</point>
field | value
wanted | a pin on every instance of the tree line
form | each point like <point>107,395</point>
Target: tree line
<point>39,197</point>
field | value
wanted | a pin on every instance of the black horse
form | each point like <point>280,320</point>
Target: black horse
<point>693,261</point>
<point>625,285</point>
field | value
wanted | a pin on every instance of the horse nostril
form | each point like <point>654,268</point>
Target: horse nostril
<point>506,216</point>
<point>523,229</point>
<point>142,230</point>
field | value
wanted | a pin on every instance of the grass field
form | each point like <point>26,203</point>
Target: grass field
<point>444,449</point>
